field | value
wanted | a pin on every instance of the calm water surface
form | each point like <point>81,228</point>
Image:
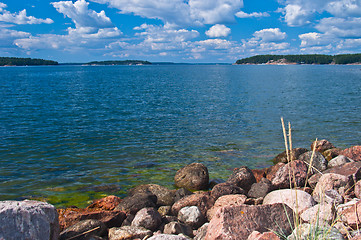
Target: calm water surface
<point>69,134</point>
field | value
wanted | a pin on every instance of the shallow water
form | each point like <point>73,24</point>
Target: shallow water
<point>69,134</point>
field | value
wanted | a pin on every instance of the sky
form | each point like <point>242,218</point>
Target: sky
<point>194,31</point>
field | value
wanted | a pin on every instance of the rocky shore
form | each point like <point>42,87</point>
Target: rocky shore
<point>310,193</point>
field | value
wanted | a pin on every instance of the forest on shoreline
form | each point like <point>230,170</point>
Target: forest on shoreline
<point>302,59</point>
<point>14,61</point>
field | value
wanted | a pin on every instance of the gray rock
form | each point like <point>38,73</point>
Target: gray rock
<point>148,218</point>
<point>165,196</point>
<point>332,197</point>
<point>318,214</point>
<point>84,229</point>
<point>28,220</point>
<point>226,188</point>
<point>338,161</point>
<point>192,177</point>
<point>128,232</point>
<point>191,216</point>
<point>307,231</point>
<point>242,177</point>
<point>260,189</point>
<point>181,193</point>
<point>168,237</point>
<point>318,161</point>
<point>296,199</point>
<point>294,154</point>
<point>132,204</point>
<point>177,228</point>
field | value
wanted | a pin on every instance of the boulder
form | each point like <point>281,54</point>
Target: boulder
<point>294,173</point>
<point>294,154</point>
<point>226,200</point>
<point>180,193</point>
<point>271,171</point>
<point>260,189</point>
<point>168,237</point>
<point>318,214</point>
<point>84,230</point>
<point>225,189</point>
<point>242,177</point>
<point>352,215</point>
<point>192,177</point>
<point>148,218</point>
<point>339,161</point>
<point>128,232</point>
<point>70,216</point>
<point>318,161</point>
<point>353,152</point>
<point>304,231</point>
<point>332,197</point>
<point>238,222</point>
<point>28,220</point>
<point>255,235</point>
<point>352,169</point>
<point>321,145</point>
<point>331,153</point>
<point>358,189</point>
<point>202,200</point>
<point>164,210</point>
<point>132,204</point>
<point>329,181</point>
<point>178,228</point>
<point>191,216</point>
<point>165,196</point>
<point>296,199</point>
<point>214,182</point>
<point>107,203</point>
<point>200,234</point>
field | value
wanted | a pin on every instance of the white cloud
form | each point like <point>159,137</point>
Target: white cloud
<point>340,27</point>
<point>218,30</point>
<point>350,44</point>
<point>20,17</point>
<point>81,15</point>
<point>242,14</point>
<point>270,35</point>
<point>345,8</point>
<point>314,39</point>
<point>180,12</point>
<point>297,15</point>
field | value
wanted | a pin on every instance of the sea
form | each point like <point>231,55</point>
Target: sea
<point>72,134</point>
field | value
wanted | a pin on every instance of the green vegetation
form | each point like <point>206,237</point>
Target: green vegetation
<point>303,59</point>
<point>126,62</point>
<point>13,61</point>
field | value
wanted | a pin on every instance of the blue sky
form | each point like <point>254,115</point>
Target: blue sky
<point>177,30</point>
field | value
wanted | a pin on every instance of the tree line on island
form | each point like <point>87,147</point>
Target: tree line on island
<point>14,61</point>
<point>302,59</point>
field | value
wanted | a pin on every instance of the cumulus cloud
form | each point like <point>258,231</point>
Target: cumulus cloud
<point>180,12</point>
<point>344,8</point>
<point>270,35</point>
<point>349,44</point>
<point>340,27</point>
<point>20,17</point>
<point>81,15</point>
<point>218,30</point>
<point>314,39</point>
<point>242,14</point>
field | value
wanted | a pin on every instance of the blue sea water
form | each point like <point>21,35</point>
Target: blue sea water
<point>69,134</point>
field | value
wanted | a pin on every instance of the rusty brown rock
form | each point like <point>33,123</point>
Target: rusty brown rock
<point>353,152</point>
<point>71,216</point>
<point>321,145</point>
<point>226,200</point>
<point>242,177</point>
<point>358,189</point>
<point>255,235</point>
<point>294,173</point>
<point>192,177</point>
<point>352,169</point>
<point>352,215</point>
<point>238,222</point>
<point>259,173</point>
<point>107,203</point>
<point>294,154</point>
<point>202,200</point>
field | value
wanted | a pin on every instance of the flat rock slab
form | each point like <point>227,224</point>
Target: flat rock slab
<point>28,220</point>
<point>238,222</point>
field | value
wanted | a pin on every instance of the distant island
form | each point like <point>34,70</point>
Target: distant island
<point>302,59</point>
<point>13,61</point>
<point>125,62</point>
